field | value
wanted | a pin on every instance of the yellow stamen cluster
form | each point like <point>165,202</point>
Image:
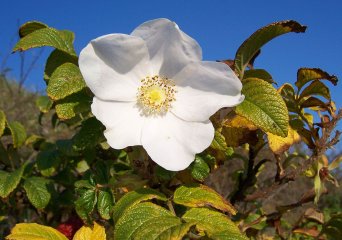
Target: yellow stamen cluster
<point>156,94</point>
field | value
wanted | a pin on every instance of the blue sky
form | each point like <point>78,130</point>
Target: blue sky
<point>219,26</point>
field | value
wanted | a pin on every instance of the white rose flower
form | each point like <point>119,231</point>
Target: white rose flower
<point>153,89</point>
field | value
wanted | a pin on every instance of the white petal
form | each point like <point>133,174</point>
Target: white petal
<point>203,88</point>
<point>122,120</point>
<point>172,143</point>
<point>170,49</point>
<point>113,65</point>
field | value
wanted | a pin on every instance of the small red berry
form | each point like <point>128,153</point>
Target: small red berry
<point>70,227</point>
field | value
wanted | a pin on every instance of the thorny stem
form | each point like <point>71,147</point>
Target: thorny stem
<point>322,144</point>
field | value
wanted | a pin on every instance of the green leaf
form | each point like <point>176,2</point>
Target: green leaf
<point>34,231</point>
<point>260,74</point>
<point>252,45</point>
<point>90,134</point>
<point>316,88</point>
<point>9,181</point>
<point>67,35</point>
<point>305,75</point>
<point>30,27</point>
<point>175,233</point>
<point>73,105</point>
<point>219,142</point>
<point>335,163</point>
<point>255,221</point>
<point>37,191</point>
<point>288,93</point>
<point>44,103</point>
<point>333,228</point>
<point>197,195</point>
<point>56,59</point>
<point>18,133</point>
<point>65,80</point>
<point>48,162</point>
<point>163,174</point>
<point>318,185</point>
<point>2,122</point>
<point>104,204</point>
<point>46,37</point>
<point>264,107</point>
<point>132,198</point>
<point>216,225</point>
<point>86,204</point>
<point>199,169</point>
<point>144,221</point>
<point>312,102</point>
<point>85,184</point>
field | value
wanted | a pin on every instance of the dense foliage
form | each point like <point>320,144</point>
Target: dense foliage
<point>276,137</point>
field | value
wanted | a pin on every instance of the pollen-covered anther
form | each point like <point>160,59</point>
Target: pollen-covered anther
<point>156,94</point>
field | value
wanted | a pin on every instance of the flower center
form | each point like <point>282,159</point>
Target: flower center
<point>156,94</point>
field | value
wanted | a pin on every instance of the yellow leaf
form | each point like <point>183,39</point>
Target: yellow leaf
<point>86,233</point>
<point>34,231</point>
<point>279,144</point>
<point>237,136</point>
<point>238,121</point>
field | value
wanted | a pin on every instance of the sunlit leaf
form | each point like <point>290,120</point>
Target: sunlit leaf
<point>176,232</point>
<point>252,45</point>
<point>216,225</point>
<point>18,133</point>
<point>45,37</point>
<point>97,232</point>
<point>73,105</point>
<point>65,80</point>
<point>33,231</point>
<point>335,163</point>
<point>37,191</point>
<point>56,59</point>
<point>30,27</point>
<point>278,144</point>
<point>10,180</point>
<point>305,75</point>
<point>264,107</point>
<point>145,221</point>
<point>133,198</point>
<point>196,195</point>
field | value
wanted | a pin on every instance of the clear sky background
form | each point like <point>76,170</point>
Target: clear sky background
<point>219,26</point>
